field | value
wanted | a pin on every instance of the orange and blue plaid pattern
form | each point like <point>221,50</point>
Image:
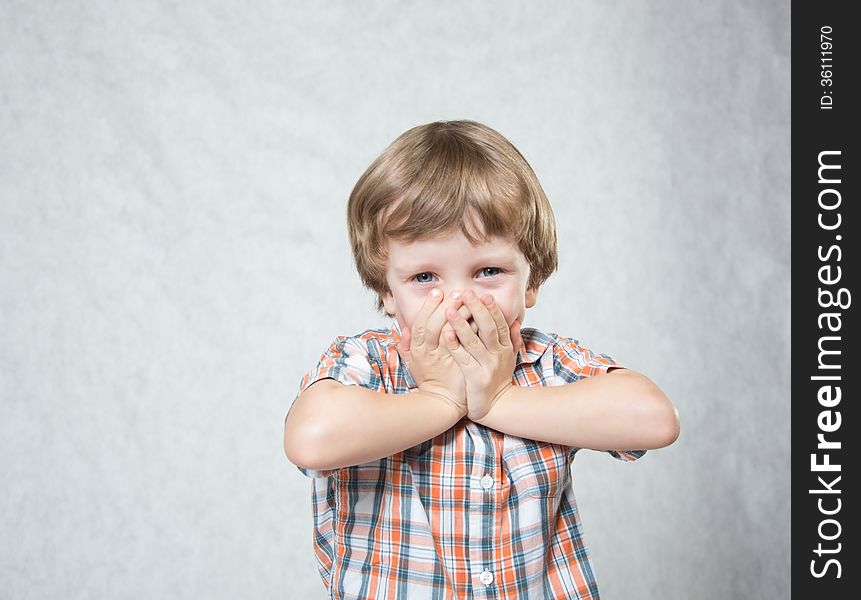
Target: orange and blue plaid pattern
<point>471,513</point>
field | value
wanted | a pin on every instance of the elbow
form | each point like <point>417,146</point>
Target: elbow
<point>292,448</point>
<point>665,422</point>
<point>658,414</point>
<point>292,451</point>
<point>302,447</point>
<point>308,434</point>
<point>668,427</point>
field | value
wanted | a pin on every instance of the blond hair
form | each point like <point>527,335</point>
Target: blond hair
<point>438,177</point>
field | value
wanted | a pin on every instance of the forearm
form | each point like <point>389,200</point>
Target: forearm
<point>332,425</point>
<point>620,410</point>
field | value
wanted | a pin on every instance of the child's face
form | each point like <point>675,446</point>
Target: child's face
<point>452,263</point>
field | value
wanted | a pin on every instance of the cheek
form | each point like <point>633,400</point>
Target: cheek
<point>512,303</point>
<point>408,306</point>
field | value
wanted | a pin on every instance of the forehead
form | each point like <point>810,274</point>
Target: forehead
<point>450,249</point>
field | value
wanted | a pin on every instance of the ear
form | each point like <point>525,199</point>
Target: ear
<point>388,303</point>
<point>531,297</point>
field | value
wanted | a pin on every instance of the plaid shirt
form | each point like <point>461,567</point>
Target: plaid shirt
<point>471,513</point>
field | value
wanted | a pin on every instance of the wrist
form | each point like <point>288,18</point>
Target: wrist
<point>445,398</point>
<point>506,391</point>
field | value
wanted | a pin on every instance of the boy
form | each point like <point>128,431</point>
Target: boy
<point>440,447</point>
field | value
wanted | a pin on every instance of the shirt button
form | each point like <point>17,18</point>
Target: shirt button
<point>486,577</point>
<point>487,483</point>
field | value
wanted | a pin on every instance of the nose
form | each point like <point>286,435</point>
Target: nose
<point>456,287</point>
<point>454,292</point>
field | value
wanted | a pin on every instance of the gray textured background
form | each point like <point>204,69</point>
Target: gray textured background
<point>173,257</point>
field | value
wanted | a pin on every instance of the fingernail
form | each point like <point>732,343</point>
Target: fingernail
<point>455,295</point>
<point>469,296</point>
<point>488,300</point>
<point>435,293</point>
<point>452,313</point>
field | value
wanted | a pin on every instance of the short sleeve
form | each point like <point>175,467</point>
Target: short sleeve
<point>347,361</point>
<point>572,362</point>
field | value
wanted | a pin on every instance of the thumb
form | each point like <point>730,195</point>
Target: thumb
<point>404,344</point>
<point>516,338</point>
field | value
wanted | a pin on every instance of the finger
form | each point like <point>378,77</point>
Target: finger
<point>419,333</point>
<point>448,337</point>
<point>467,314</point>
<point>463,358</point>
<point>467,337</point>
<point>437,319</point>
<point>404,345</point>
<point>516,337</point>
<point>503,330</point>
<point>487,325</point>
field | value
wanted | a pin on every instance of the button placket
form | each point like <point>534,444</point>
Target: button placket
<point>487,484</point>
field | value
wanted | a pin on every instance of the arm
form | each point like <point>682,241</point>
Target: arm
<point>621,409</point>
<point>332,425</point>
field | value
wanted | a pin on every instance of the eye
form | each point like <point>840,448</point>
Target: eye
<point>424,277</point>
<point>490,271</point>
